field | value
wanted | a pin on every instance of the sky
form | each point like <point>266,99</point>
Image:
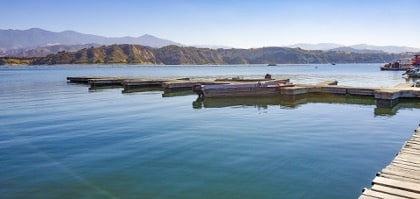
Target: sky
<point>233,23</point>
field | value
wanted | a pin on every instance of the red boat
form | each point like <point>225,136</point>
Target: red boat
<point>414,62</point>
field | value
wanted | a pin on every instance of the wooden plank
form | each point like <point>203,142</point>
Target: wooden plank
<point>412,146</point>
<point>402,161</point>
<point>409,186</point>
<point>363,196</point>
<point>404,165</point>
<point>398,192</point>
<point>411,151</point>
<point>412,158</point>
<point>392,168</point>
<point>398,177</point>
<point>413,142</point>
<point>378,194</point>
<point>409,160</point>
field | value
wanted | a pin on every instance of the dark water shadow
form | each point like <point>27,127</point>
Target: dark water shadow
<point>293,102</point>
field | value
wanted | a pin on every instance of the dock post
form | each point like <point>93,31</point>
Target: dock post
<point>386,98</point>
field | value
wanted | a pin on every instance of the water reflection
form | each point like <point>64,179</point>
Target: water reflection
<point>141,89</point>
<point>292,102</point>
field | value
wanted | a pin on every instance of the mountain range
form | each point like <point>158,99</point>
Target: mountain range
<point>179,55</point>
<point>38,42</point>
<point>35,37</point>
<point>361,48</point>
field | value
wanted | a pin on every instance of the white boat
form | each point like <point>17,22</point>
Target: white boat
<point>413,72</point>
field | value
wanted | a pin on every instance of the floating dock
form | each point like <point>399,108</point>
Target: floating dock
<point>385,97</point>
<point>401,178</point>
<point>135,83</point>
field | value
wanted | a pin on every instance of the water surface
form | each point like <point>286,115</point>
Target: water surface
<point>60,140</point>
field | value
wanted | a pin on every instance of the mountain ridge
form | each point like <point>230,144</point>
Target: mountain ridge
<point>36,37</point>
<point>362,47</point>
<point>178,55</point>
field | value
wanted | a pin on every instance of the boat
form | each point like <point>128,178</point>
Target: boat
<point>259,88</point>
<point>416,61</point>
<point>413,73</point>
<point>406,65</point>
<point>416,83</point>
<point>397,66</point>
<point>271,64</point>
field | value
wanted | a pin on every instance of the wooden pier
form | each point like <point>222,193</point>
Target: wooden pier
<point>401,178</point>
<point>136,83</point>
<point>385,97</point>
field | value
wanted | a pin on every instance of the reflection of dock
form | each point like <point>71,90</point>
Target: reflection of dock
<point>294,101</point>
<point>401,178</point>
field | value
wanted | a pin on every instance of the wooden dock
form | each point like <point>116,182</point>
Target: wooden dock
<point>401,178</point>
<point>385,97</point>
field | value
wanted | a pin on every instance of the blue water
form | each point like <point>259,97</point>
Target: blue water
<point>60,140</point>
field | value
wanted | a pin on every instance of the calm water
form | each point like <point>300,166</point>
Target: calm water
<point>60,140</point>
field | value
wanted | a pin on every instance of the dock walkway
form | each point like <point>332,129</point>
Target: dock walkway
<point>385,97</point>
<point>401,178</point>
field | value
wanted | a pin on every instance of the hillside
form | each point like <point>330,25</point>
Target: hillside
<point>175,55</point>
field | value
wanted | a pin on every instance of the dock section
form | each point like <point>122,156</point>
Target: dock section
<point>385,97</point>
<point>401,178</point>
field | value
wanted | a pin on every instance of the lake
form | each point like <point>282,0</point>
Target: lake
<point>61,140</point>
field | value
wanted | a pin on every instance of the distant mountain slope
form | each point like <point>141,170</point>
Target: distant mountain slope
<point>44,51</point>
<point>320,46</point>
<point>35,37</point>
<point>361,47</point>
<point>389,49</point>
<point>176,55</point>
<point>353,50</point>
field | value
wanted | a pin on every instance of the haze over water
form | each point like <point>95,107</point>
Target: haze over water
<point>60,140</point>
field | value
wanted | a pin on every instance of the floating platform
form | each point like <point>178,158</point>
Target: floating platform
<point>401,178</point>
<point>385,97</point>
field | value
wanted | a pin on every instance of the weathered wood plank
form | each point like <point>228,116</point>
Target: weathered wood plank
<point>393,168</point>
<point>393,191</point>
<point>398,177</point>
<point>409,186</point>
<point>405,165</point>
<point>412,158</point>
<point>409,160</point>
<point>363,196</point>
<point>402,161</point>
<point>412,146</point>
<point>413,143</point>
<point>378,194</point>
<point>411,151</point>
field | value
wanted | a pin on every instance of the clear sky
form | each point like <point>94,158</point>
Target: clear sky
<point>235,23</point>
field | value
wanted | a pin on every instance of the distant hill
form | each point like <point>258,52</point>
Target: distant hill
<point>176,55</point>
<point>361,47</point>
<point>320,46</point>
<point>389,49</point>
<point>35,37</point>
<point>44,51</point>
<point>353,50</point>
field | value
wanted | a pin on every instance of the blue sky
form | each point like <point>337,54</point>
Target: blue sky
<point>236,23</point>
